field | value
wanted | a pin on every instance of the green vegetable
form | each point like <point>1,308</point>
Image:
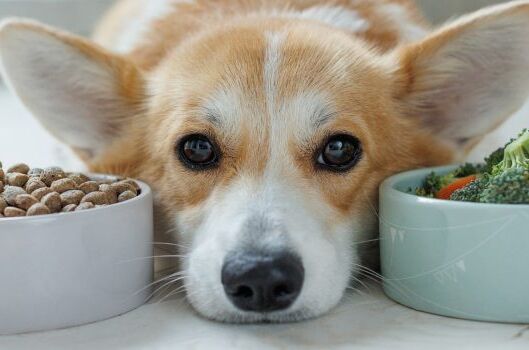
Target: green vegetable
<point>510,187</point>
<point>503,179</point>
<point>516,155</point>
<point>494,159</point>
<point>434,182</point>
<point>472,192</point>
<point>467,169</point>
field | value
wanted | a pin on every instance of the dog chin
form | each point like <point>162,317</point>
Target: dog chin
<point>223,311</point>
<point>240,317</point>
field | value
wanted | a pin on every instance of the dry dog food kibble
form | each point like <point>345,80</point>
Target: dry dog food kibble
<point>25,201</point>
<point>38,209</point>
<point>11,192</point>
<point>3,205</point>
<point>69,208</point>
<point>34,184</point>
<point>112,195</point>
<point>19,168</point>
<point>89,186</point>
<point>26,191</point>
<point>125,196</point>
<point>63,185</point>
<point>52,174</point>
<point>71,197</point>
<point>16,179</point>
<point>79,178</point>
<point>13,212</point>
<point>52,201</point>
<point>97,198</point>
<point>35,172</point>
<point>85,206</point>
<point>41,192</point>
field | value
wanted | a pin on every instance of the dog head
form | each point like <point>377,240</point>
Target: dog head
<point>265,140</point>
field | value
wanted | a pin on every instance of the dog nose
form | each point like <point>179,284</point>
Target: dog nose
<point>262,283</point>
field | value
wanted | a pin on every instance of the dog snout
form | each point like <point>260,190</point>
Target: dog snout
<point>262,282</point>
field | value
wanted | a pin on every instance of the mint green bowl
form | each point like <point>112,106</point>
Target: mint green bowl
<point>455,259</point>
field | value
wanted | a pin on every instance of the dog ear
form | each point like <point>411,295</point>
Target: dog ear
<point>471,75</point>
<point>80,92</point>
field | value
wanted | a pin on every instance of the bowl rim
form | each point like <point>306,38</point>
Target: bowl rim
<point>388,188</point>
<point>145,191</point>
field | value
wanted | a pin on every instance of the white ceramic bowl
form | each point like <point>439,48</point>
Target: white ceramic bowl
<point>68,269</point>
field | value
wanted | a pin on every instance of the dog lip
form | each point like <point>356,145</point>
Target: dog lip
<point>274,317</point>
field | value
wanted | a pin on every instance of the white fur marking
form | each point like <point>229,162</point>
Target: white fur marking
<point>271,69</point>
<point>408,29</point>
<point>334,16</point>
<point>153,10</point>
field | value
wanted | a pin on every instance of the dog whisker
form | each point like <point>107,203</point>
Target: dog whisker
<point>176,274</point>
<point>356,291</point>
<point>155,257</point>
<point>371,205</point>
<point>171,230</point>
<point>359,281</point>
<point>167,284</point>
<point>170,244</point>
<point>366,241</point>
<point>177,291</point>
<point>378,278</point>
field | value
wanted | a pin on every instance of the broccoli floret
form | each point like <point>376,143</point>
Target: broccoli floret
<point>433,183</point>
<point>516,155</point>
<point>467,169</point>
<point>472,192</point>
<point>506,178</point>
<point>493,159</point>
<point>510,187</point>
<point>503,179</point>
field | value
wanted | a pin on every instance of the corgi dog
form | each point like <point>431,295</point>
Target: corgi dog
<point>266,127</point>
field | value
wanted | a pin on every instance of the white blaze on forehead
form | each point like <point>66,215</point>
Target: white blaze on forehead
<point>298,116</point>
<point>408,28</point>
<point>271,69</point>
<point>278,133</point>
<point>334,16</point>
<point>137,27</point>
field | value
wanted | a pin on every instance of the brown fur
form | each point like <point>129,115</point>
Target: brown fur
<point>187,19</point>
<point>377,123</point>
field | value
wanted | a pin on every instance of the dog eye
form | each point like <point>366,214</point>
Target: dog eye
<point>340,153</point>
<point>197,152</point>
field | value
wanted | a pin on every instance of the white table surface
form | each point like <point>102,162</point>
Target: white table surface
<point>367,321</point>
